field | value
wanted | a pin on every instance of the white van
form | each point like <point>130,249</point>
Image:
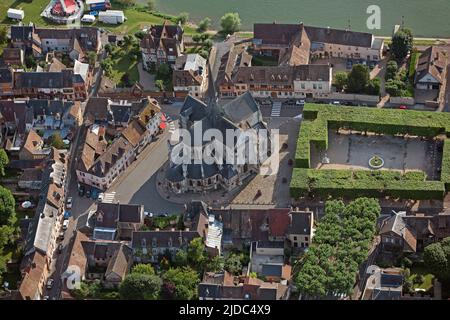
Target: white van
<point>88,18</point>
<point>65,224</point>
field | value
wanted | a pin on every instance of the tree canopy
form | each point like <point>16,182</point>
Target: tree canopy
<point>204,24</point>
<point>56,141</point>
<point>185,281</point>
<point>138,286</point>
<point>340,80</point>
<point>437,259</point>
<point>183,18</point>
<point>7,207</point>
<point>143,268</point>
<point>402,44</point>
<point>196,252</point>
<point>233,264</point>
<point>4,160</point>
<point>230,22</point>
<point>358,79</point>
<point>340,244</point>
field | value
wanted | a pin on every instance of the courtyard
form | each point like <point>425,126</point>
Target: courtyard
<point>353,151</point>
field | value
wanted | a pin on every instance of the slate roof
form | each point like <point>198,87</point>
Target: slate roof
<point>6,75</point>
<point>52,80</point>
<point>339,36</point>
<point>21,33</point>
<point>113,213</point>
<point>300,223</point>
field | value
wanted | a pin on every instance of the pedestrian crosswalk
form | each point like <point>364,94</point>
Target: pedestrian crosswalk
<point>109,197</point>
<point>276,109</point>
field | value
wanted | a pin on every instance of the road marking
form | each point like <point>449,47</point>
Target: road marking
<point>109,197</point>
<point>276,109</point>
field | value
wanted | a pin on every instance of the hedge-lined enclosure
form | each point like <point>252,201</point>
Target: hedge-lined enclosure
<point>339,246</point>
<point>365,183</point>
<point>318,119</point>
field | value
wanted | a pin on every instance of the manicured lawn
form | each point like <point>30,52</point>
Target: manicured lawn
<point>264,61</point>
<point>124,64</point>
<point>136,19</point>
<point>427,282</point>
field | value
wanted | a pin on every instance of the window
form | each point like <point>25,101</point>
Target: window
<point>303,86</point>
<point>314,86</point>
<point>295,238</point>
<point>306,238</point>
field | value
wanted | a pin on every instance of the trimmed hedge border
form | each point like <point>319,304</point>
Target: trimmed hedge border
<point>314,130</point>
<point>365,183</point>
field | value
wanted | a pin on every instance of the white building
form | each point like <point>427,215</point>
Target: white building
<point>190,75</point>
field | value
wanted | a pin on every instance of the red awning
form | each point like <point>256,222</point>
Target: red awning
<point>163,117</point>
<point>162,125</point>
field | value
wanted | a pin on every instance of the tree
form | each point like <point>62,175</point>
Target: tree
<point>203,25</point>
<point>7,207</point>
<point>140,34</point>
<point>137,286</point>
<point>402,44</point>
<point>196,252</point>
<point>216,264</point>
<point>92,58</point>
<point>340,80</point>
<point>358,78</point>
<point>150,5</point>
<point>437,259</point>
<point>373,87</point>
<point>233,264</point>
<point>143,268</point>
<point>4,160</point>
<point>391,70</point>
<point>163,72</point>
<point>182,18</point>
<point>160,84</point>
<point>230,22</point>
<point>56,141</point>
<point>106,65</point>
<point>181,258</point>
<point>6,235</point>
<point>185,281</point>
<point>3,34</point>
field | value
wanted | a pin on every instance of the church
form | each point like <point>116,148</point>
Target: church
<point>240,115</point>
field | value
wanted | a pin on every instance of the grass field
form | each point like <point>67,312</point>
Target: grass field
<point>124,64</point>
<point>136,18</point>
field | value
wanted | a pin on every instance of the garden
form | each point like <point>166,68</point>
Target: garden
<point>318,119</point>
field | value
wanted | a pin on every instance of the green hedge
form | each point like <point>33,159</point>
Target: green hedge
<point>318,119</point>
<point>445,167</point>
<point>364,183</point>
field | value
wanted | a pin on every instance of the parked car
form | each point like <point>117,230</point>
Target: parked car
<point>403,107</point>
<point>61,236</point>
<point>69,203</point>
<point>88,193</point>
<point>336,103</point>
<point>101,196</point>
<point>300,103</point>
<point>349,64</point>
<point>81,191</point>
<point>50,283</point>
<point>372,64</point>
<point>60,247</point>
<point>148,214</point>
<point>290,102</point>
<point>163,215</point>
<point>168,101</point>
<point>65,224</point>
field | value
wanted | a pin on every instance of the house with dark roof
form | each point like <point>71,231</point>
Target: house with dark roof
<point>162,44</point>
<point>6,82</point>
<point>412,233</point>
<point>225,286</point>
<point>76,41</point>
<point>115,221</point>
<point>383,284</point>
<point>301,229</point>
<point>287,40</point>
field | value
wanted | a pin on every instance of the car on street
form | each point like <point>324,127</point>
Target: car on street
<point>168,101</point>
<point>148,214</point>
<point>290,102</point>
<point>60,248</point>
<point>101,196</point>
<point>300,103</point>
<point>61,236</point>
<point>65,224</point>
<point>372,64</point>
<point>349,64</point>
<point>336,103</point>
<point>81,191</point>
<point>50,283</point>
<point>69,203</point>
<point>403,107</point>
<point>163,215</point>
<point>88,193</point>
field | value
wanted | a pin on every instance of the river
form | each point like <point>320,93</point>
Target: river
<point>427,18</point>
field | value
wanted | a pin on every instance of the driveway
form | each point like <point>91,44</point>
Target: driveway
<point>146,79</point>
